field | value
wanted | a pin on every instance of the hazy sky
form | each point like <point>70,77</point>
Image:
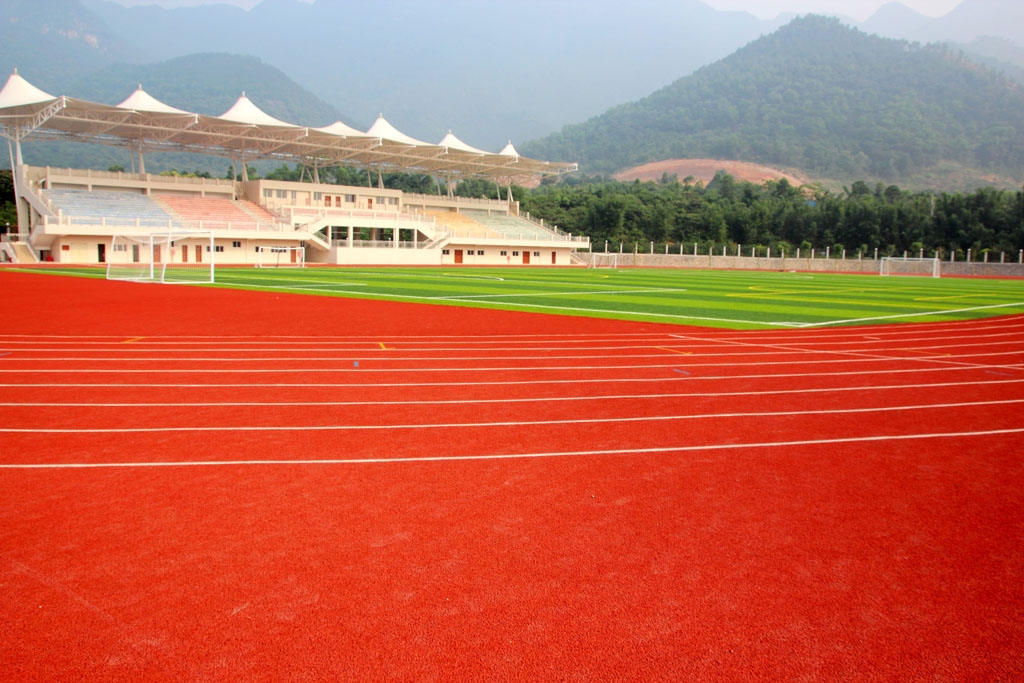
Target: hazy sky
<point>766,9</point>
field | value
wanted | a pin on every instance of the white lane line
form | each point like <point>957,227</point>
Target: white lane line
<point>397,353</point>
<point>487,401</point>
<point>501,383</point>
<point>845,358</point>
<point>510,423</point>
<point>518,456</point>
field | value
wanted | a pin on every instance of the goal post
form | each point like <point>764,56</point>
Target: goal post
<point>895,265</point>
<point>182,256</point>
<point>603,260</point>
<point>281,257</point>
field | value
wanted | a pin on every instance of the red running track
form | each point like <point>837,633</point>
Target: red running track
<point>207,484</point>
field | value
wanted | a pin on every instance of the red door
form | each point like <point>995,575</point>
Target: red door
<point>458,256</point>
<point>526,258</point>
<point>199,253</point>
<point>554,259</point>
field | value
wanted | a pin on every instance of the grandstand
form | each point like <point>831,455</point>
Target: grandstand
<point>73,215</point>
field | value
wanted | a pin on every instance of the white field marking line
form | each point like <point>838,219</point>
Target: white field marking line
<point>876,354</point>
<point>517,456</point>
<point>468,297</point>
<point>847,357</point>
<point>449,275</point>
<point>899,316</point>
<point>620,314</point>
<point>510,423</point>
<point>485,401</point>
<point>323,288</point>
<point>545,382</point>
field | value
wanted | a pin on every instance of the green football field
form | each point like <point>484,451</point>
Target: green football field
<point>729,299</point>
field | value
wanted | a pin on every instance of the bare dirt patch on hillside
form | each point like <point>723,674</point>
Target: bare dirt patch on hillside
<point>705,169</point>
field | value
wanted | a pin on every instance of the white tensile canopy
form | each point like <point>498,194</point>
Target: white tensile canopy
<point>245,133</point>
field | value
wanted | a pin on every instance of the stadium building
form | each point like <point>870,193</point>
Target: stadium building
<point>80,216</point>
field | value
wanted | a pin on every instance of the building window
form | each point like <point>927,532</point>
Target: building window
<point>282,194</point>
<point>350,198</point>
<point>504,252</point>
<point>537,254</point>
<point>515,253</point>
<point>236,244</point>
<point>445,252</point>
<point>267,192</point>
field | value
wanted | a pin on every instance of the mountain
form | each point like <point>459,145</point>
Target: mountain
<point>489,71</point>
<point>58,41</point>
<point>969,20</point>
<point>205,84</point>
<point>820,97</point>
<point>1000,54</point>
<point>209,84</point>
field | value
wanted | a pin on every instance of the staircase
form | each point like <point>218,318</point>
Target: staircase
<point>19,252</point>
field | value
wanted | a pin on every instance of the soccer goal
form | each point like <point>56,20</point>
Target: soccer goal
<point>183,256</point>
<point>281,257</point>
<point>603,260</point>
<point>893,265</point>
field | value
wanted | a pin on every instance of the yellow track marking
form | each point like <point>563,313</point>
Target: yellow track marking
<point>382,345</point>
<point>129,341</point>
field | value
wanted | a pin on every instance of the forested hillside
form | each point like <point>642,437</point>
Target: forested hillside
<point>823,98</point>
<point>781,216</point>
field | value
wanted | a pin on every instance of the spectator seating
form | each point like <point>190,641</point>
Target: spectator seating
<point>511,226</point>
<point>111,207</point>
<point>462,224</point>
<point>211,213</point>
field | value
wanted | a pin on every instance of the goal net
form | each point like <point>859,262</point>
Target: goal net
<point>168,257</point>
<point>892,265</point>
<point>281,257</point>
<point>603,260</point>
